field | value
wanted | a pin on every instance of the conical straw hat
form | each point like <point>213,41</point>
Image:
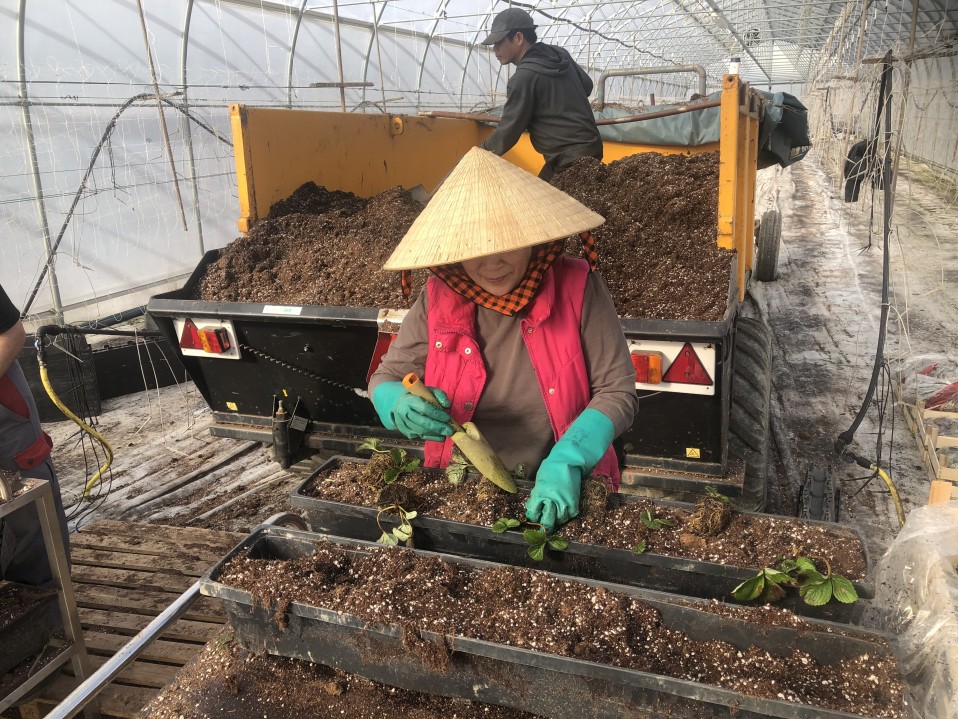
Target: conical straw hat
<point>486,206</point>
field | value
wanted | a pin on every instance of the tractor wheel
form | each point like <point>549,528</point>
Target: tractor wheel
<point>767,243</point>
<point>749,414</point>
<point>820,498</point>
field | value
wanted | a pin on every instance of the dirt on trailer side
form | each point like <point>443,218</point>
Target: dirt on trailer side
<point>657,246</point>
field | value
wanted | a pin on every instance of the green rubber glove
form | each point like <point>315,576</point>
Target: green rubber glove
<point>413,416</point>
<point>555,497</point>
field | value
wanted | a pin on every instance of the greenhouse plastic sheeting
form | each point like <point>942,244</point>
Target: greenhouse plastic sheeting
<point>783,131</point>
<point>918,587</point>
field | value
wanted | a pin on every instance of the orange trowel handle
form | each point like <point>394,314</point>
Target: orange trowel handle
<point>415,386</point>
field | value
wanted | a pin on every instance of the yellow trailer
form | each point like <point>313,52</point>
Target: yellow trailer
<point>687,435</point>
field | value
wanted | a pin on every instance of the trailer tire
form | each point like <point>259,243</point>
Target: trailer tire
<point>767,243</point>
<point>749,412</point>
<point>820,498</point>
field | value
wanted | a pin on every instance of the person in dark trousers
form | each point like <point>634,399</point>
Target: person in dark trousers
<point>24,446</point>
<point>548,95</point>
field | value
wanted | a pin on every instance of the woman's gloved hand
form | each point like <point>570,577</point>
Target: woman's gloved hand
<point>414,417</point>
<point>555,497</point>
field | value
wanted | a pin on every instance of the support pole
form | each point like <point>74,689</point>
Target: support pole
<point>35,170</point>
<point>159,108</point>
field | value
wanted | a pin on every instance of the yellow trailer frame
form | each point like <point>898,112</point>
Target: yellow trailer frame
<point>277,150</point>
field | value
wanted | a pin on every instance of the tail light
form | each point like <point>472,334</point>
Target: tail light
<point>648,366</point>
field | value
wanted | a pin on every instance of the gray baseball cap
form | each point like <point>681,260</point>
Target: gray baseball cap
<point>505,22</point>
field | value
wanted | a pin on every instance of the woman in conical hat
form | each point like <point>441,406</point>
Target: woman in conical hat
<point>511,334</point>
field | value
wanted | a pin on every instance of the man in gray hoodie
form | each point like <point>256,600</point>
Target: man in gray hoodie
<point>548,95</point>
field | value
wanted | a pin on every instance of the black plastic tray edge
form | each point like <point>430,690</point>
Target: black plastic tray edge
<point>865,588</point>
<point>830,632</point>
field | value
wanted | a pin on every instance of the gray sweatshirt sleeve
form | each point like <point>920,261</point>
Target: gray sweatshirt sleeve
<point>516,115</point>
<point>408,352</point>
<point>611,374</point>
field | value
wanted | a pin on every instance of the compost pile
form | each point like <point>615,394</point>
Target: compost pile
<point>226,680</point>
<point>317,248</point>
<point>657,247</point>
<point>538,611</point>
<point>749,540</point>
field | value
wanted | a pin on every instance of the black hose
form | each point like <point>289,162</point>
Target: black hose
<point>846,437</point>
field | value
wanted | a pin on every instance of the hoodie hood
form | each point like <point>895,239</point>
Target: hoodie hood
<point>546,60</point>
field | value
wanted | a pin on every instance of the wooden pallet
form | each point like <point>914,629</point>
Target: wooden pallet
<point>124,574</point>
<point>944,477</point>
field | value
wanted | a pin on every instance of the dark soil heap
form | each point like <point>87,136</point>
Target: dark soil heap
<point>317,248</point>
<point>657,247</point>
<point>746,540</point>
<point>538,611</point>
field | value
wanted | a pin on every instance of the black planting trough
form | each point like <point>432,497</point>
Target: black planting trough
<point>545,684</point>
<point>678,575</point>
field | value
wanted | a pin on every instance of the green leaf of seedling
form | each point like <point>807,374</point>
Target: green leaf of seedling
<point>388,539</point>
<point>713,492</point>
<point>371,443</point>
<point>558,543</point>
<point>411,514</point>
<point>456,472</point>
<point>505,523</point>
<point>537,551</point>
<point>403,532</point>
<point>816,594</point>
<point>390,475</point>
<point>534,536</point>
<point>809,577</point>
<point>397,456</point>
<point>797,565</point>
<point>652,522</point>
<point>639,548</point>
<point>750,589</point>
<point>519,472</point>
<point>776,577</point>
<point>843,590</point>
<point>410,465</point>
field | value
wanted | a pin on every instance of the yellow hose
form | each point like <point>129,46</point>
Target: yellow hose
<point>894,492</point>
<point>45,378</point>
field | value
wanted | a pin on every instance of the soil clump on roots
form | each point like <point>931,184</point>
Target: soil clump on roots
<point>657,248</point>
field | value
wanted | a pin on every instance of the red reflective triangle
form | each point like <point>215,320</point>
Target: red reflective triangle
<point>687,368</point>
<point>190,339</point>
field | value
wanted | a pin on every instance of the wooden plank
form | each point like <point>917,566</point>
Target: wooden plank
<point>115,701</point>
<point>131,579</point>
<point>940,492</point>
<point>146,563</point>
<point>944,441</point>
<point>205,609</point>
<point>938,414</point>
<point>130,624</point>
<point>142,538</point>
<point>139,673</point>
<point>159,650</point>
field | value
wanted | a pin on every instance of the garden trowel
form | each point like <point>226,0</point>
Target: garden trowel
<point>467,437</point>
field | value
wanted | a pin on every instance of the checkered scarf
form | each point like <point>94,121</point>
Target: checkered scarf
<point>541,260</point>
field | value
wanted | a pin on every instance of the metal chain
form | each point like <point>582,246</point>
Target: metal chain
<point>308,373</point>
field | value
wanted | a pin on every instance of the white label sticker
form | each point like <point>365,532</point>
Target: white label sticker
<point>281,310</point>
